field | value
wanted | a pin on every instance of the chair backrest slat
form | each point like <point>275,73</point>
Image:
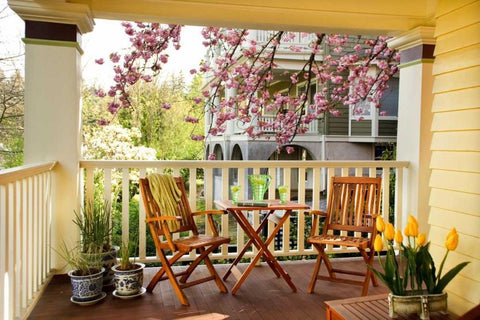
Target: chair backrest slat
<point>352,201</point>
<point>182,209</point>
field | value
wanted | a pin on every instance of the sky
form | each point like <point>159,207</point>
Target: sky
<point>107,37</point>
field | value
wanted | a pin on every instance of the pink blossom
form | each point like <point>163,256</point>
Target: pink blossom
<point>191,119</point>
<point>211,156</point>
<point>290,149</point>
<point>99,61</point>
<point>197,100</point>
<point>166,106</point>
<point>383,113</point>
<point>197,137</point>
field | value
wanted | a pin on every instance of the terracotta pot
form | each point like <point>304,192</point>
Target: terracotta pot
<point>421,303</point>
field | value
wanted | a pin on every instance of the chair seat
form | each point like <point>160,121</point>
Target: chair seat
<point>340,240</point>
<point>199,241</point>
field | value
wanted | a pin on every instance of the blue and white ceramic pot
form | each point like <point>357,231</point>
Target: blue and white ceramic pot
<point>86,288</point>
<point>128,282</point>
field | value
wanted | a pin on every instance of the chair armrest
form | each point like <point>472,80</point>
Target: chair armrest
<point>209,212</point>
<point>163,218</point>
<point>316,212</point>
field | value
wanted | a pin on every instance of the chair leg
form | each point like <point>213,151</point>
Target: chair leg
<point>368,258</point>
<point>167,268</point>
<point>316,270</point>
<point>214,273</point>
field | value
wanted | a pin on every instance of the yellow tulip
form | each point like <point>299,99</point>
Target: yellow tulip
<point>413,229</point>
<point>398,237</point>
<point>389,232</point>
<point>407,230</point>
<point>380,224</point>
<point>421,239</point>
<point>452,240</point>
<point>378,244</point>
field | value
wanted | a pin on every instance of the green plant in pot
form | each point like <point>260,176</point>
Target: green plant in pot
<point>415,284</point>
<point>86,276</point>
<point>128,275</point>
<point>95,228</point>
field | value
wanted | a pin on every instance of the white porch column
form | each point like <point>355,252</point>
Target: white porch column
<point>415,119</point>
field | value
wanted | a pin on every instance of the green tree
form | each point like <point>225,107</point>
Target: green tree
<point>11,119</point>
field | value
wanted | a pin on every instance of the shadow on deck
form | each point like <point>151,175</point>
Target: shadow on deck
<point>262,296</point>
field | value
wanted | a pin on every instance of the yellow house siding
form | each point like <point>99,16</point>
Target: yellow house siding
<point>455,162</point>
<point>457,100</point>
<point>465,224</point>
<point>457,120</point>
<point>464,78</point>
<point>458,19</point>
<point>457,60</point>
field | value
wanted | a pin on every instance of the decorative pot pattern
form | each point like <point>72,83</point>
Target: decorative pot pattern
<point>109,259</point>
<point>86,288</point>
<point>128,282</point>
<point>420,303</point>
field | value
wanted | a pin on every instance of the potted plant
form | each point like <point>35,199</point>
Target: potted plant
<point>86,276</point>
<point>128,275</point>
<point>95,231</point>
<point>415,284</point>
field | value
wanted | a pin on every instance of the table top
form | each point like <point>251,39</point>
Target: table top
<point>259,205</point>
<point>372,307</point>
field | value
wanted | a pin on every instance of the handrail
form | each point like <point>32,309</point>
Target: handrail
<point>239,164</point>
<point>13,174</point>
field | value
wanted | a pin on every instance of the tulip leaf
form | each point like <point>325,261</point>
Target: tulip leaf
<point>442,283</point>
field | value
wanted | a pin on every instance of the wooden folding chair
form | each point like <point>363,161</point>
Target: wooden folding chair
<point>352,207</point>
<point>179,246</point>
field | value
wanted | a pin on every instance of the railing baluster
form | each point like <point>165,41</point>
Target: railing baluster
<point>125,205</point>
<point>142,235</point>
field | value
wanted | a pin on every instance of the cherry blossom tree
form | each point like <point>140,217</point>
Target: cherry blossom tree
<point>348,70</point>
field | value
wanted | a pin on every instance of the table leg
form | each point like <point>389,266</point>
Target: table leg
<point>248,244</point>
<point>263,249</point>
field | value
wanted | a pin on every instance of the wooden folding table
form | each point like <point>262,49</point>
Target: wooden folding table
<point>238,212</point>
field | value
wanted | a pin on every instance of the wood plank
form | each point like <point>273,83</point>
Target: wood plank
<point>465,223</point>
<point>457,120</point>
<point>459,39</point>
<point>460,18</point>
<point>456,60</point>
<point>458,181</point>
<point>456,141</point>
<point>468,98</point>
<point>455,201</point>
<point>448,6</point>
<point>458,161</point>
<point>467,245</point>
<point>263,296</point>
<point>460,79</point>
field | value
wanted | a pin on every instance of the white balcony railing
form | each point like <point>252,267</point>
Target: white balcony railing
<point>307,181</point>
<point>25,216</point>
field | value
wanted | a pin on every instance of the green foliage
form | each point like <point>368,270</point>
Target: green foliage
<point>124,254</point>
<point>415,270</point>
<point>79,262</point>
<point>94,225</point>
<point>11,120</point>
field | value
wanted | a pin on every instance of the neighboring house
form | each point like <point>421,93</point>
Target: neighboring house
<point>349,136</point>
<point>346,137</point>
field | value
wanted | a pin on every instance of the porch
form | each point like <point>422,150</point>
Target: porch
<point>30,228</point>
<point>263,296</point>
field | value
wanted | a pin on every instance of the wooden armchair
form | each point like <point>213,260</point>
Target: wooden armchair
<point>352,207</point>
<point>163,227</point>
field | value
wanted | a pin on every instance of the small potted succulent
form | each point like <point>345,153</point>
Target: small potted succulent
<point>415,284</point>
<point>86,276</point>
<point>128,275</point>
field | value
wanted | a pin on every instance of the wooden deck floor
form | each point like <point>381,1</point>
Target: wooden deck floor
<point>262,296</point>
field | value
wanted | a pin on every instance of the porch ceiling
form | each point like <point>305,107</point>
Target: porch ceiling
<point>349,16</point>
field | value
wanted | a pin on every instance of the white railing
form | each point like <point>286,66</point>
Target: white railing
<point>25,215</point>
<point>268,119</point>
<point>307,181</point>
<point>298,39</point>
